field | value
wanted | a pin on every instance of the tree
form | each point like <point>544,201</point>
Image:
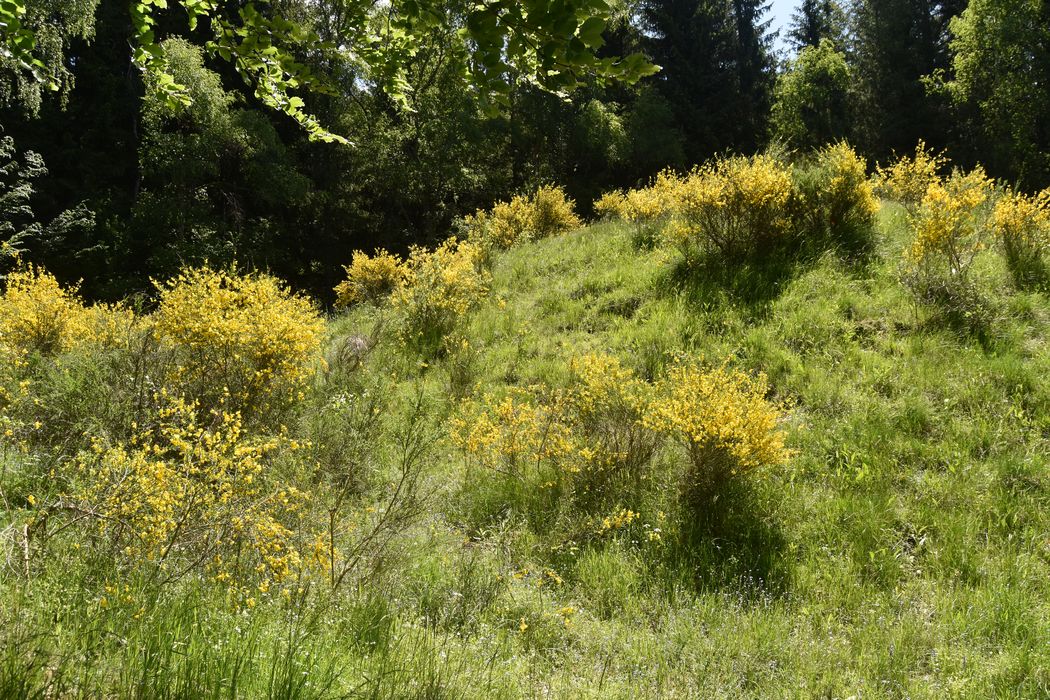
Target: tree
<point>716,70</point>
<point>549,44</point>
<point>1002,78</point>
<point>34,38</point>
<point>213,177</point>
<point>897,43</point>
<point>814,21</point>
<point>18,222</point>
<point>755,71</point>
<point>812,105</point>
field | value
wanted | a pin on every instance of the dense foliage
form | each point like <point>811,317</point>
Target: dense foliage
<point>554,348</point>
<point>167,157</point>
<point>509,456</point>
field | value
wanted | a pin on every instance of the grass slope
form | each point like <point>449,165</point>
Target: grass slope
<point>905,551</point>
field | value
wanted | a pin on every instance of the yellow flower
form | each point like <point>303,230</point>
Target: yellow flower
<point>239,342</point>
<point>722,418</point>
<point>369,278</point>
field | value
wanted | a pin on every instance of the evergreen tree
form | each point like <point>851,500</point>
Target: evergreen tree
<point>897,44</point>
<point>756,72</point>
<point>717,70</point>
<point>815,20</point>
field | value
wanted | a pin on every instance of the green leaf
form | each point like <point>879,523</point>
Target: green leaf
<point>590,32</point>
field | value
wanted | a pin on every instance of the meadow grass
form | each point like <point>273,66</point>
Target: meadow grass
<point>903,551</point>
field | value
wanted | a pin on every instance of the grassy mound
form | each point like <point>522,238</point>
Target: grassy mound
<point>900,550</point>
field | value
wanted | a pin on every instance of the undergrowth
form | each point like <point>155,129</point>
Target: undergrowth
<point>609,472</point>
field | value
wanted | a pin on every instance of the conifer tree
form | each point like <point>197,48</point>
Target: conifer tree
<point>717,70</point>
<point>814,20</point>
<point>897,43</point>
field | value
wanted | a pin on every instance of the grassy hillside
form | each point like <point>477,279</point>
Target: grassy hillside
<point>903,550</point>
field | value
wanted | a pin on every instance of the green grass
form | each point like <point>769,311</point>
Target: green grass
<point>904,551</point>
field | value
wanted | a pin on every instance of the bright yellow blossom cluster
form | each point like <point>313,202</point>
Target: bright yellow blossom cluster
<point>1022,225</point>
<point>430,292</point>
<point>733,205</point>
<point>737,205</point>
<point>844,197</point>
<point>908,178</point>
<point>243,343</point>
<point>646,205</point>
<point>948,224</point>
<point>608,401</point>
<point>723,419</point>
<point>547,212</point>
<point>440,286</point>
<point>618,520</point>
<point>181,496</point>
<point>369,278</point>
<point>607,421</point>
<point>587,432</point>
<point>37,314</point>
<point>517,434</point>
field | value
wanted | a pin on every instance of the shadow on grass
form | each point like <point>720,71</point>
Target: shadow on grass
<point>753,282</point>
<point>726,543</point>
<point>1029,270</point>
<point>962,310</point>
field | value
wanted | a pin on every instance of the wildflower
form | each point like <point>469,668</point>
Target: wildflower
<point>240,342</point>
<point>370,278</point>
<point>722,418</point>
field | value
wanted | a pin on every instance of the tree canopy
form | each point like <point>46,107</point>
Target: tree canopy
<point>549,44</point>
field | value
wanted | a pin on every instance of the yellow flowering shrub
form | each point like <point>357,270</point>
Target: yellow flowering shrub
<point>611,205</point>
<point>547,212</point>
<point>948,226</point>
<point>594,440</point>
<point>908,178</point>
<point>182,496</point>
<point>244,343</point>
<point>608,402</point>
<point>841,199</point>
<point>1021,224</point>
<point>735,205</point>
<point>553,213</point>
<point>439,288</point>
<point>587,432</point>
<point>646,205</point>
<point>723,419</point>
<point>38,315</point>
<point>506,225</point>
<point>516,434</point>
<point>369,278</point>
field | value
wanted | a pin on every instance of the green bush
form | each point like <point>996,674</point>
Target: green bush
<point>834,199</point>
<point>547,212</point>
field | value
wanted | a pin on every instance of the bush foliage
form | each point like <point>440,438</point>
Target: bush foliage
<point>907,178</point>
<point>240,343</point>
<point>547,212</point>
<point>1021,224</point>
<point>370,278</point>
<point>594,440</point>
<point>738,206</point>
<point>723,419</point>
